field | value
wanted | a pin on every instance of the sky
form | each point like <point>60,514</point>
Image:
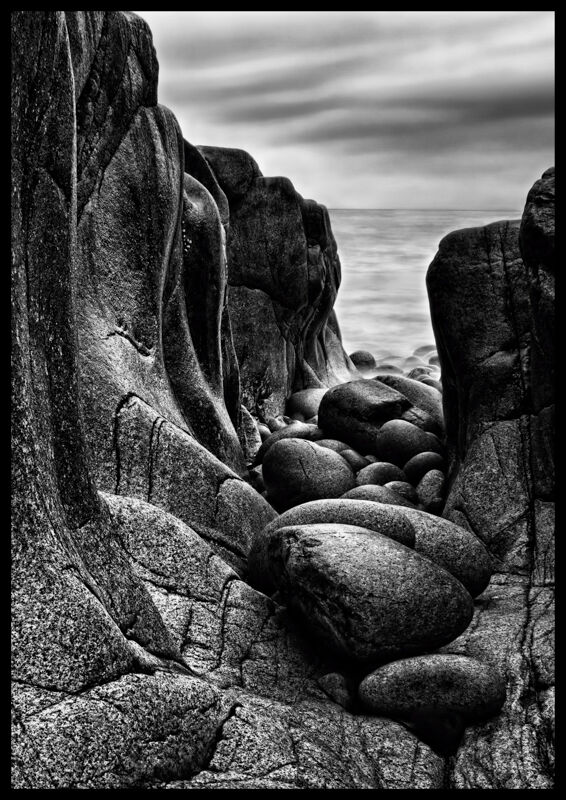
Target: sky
<point>370,109</point>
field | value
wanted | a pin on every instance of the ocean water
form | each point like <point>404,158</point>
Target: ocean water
<point>382,304</point>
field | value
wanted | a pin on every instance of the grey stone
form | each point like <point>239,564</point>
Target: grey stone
<point>421,396</point>
<point>434,683</point>
<point>364,595</point>
<point>377,494</point>
<point>398,441</point>
<point>295,430</point>
<point>418,465</point>
<point>306,402</point>
<point>380,472</point>
<point>404,489</point>
<point>295,471</point>
<point>431,491</point>
<point>354,459</point>
<point>354,411</point>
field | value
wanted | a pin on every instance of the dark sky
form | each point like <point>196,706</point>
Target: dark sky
<point>370,109</point>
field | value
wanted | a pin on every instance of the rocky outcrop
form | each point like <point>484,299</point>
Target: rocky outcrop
<point>497,368</point>
<point>283,275</point>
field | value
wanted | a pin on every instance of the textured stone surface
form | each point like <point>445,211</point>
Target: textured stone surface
<point>380,473</point>
<point>364,595</point>
<point>419,395</point>
<point>296,471</point>
<point>353,412</point>
<point>498,403</point>
<point>361,513</point>
<point>398,441</point>
<point>378,494</point>
<point>434,683</point>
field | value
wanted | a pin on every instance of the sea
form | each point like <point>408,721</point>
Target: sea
<point>382,303</point>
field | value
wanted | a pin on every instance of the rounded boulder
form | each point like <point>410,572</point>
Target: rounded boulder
<point>431,490</point>
<point>305,402</point>
<point>379,473</point>
<point>377,494</point>
<point>353,412</point>
<point>420,464</point>
<point>385,520</point>
<point>398,441</point>
<point>296,430</point>
<point>295,471</point>
<point>437,683</point>
<point>365,596</point>
<point>456,549</point>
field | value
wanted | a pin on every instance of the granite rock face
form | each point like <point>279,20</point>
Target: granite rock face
<point>285,332</point>
<point>497,371</point>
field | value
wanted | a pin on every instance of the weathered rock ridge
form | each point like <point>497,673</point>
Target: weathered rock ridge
<point>160,293</point>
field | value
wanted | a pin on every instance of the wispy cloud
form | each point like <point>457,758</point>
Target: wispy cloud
<point>370,108</point>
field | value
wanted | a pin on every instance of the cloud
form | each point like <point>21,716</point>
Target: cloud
<point>369,108</point>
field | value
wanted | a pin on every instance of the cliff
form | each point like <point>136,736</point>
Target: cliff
<point>162,295</point>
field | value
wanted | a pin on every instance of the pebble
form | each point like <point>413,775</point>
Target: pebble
<point>354,459</point>
<point>420,464</point>
<point>379,473</point>
<point>404,489</point>
<point>430,491</point>
<point>398,441</point>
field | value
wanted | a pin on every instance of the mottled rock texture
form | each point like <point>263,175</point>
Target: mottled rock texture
<point>497,374</point>
<point>141,658</point>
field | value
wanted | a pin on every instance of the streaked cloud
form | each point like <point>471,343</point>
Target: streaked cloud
<point>370,109</point>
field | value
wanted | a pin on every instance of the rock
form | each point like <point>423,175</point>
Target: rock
<point>420,464</point>
<point>432,382</point>
<point>431,491</point>
<point>354,411</point>
<point>419,395</point>
<point>298,417</point>
<point>398,441</point>
<point>386,520</point>
<point>306,402</point>
<point>295,471</point>
<point>456,549</point>
<point>235,170</point>
<point>434,683</point>
<point>276,424</point>
<point>250,437</point>
<point>354,459</point>
<point>420,372</point>
<point>380,473</point>
<point>378,494</point>
<point>333,444</point>
<point>264,431</point>
<point>363,360</point>
<point>404,489</point>
<point>364,596</point>
<point>422,419</point>
<point>336,686</point>
<point>296,430</point>
<point>434,360</point>
<point>371,459</point>
<point>412,361</point>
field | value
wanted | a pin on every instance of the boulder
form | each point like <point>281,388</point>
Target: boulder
<point>378,494</point>
<point>363,360</point>
<point>431,491</point>
<point>418,465</point>
<point>295,471</point>
<point>404,489</point>
<point>333,444</point>
<point>235,170</point>
<point>363,595</point>
<point>250,437</point>
<point>306,402</point>
<point>354,411</point>
<point>380,473</point>
<point>456,549</point>
<point>354,459</point>
<point>296,430</point>
<point>398,441</point>
<point>420,395</point>
<point>434,683</point>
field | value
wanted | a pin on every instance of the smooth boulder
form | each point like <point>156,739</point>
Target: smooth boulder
<point>295,430</point>
<point>305,402</point>
<point>295,471</point>
<point>456,549</point>
<point>431,491</point>
<point>354,459</point>
<point>363,360</point>
<point>404,489</point>
<point>398,441</point>
<point>434,683</point>
<point>365,596</point>
<point>419,465</point>
<point>385,520</point>
<point>420,395</point>
<point>380,473</point>
<point>354,411</point>
<point>377,494</point>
